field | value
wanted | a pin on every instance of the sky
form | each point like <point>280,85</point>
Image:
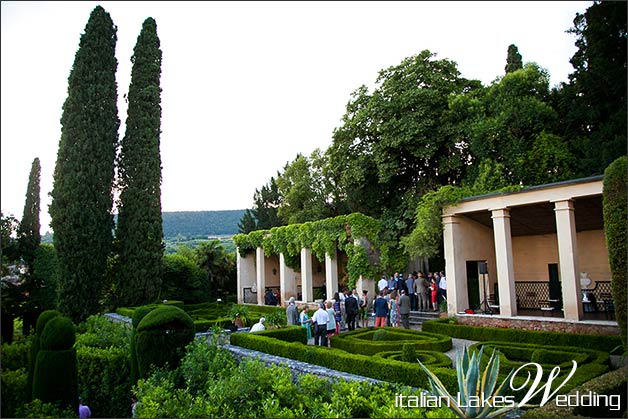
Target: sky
<point>248,85</point>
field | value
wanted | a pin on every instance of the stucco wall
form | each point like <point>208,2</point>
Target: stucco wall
<point>272,262</point>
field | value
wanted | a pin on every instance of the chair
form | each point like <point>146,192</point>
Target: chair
<point>492,303</point>
<point>609,308</point>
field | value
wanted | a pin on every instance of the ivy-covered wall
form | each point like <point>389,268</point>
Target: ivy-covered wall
<point>344,233</point>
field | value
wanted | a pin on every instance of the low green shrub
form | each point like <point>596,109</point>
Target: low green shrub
<point>367,366</point>
<point>286,334</point>
<point>369,341</point>
<point>39,409</point>
<point>14,393</point>
<point>104,380</point>
<point>449,327</point>
<point>100,332</point>
<point>15,355</point>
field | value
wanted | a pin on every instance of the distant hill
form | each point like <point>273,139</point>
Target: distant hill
<point>201,223</point>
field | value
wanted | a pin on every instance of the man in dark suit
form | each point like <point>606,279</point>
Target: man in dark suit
<point>351,307</point>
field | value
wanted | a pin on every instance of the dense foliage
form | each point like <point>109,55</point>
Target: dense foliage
<point>615,216</point>
<point>200,223</point>
<point>83,177</point>
<point>28,234</point>
<point>139,229</point>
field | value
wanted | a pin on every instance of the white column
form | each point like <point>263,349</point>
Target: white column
<point>455,267</point>
<point>287,280</point>
<point>504,262</point>
<point>245,274</point>
<point>307,292</point>
<point>568,259</point>
<point>261,275</point>
<point>331,275</point>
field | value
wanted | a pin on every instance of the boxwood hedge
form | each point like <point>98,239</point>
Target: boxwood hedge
<point>449,327</point>
<point>367,341</point>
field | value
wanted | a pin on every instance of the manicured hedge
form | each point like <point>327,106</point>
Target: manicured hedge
<point>613,383</point>
<point>367,366</point>
<point>128,311</point>
<point>15,355</point>
<point>615,213</point>
<point>286,334</point>
<point>364,341</point>
<point>431,358</point>
<point>13,386</point>
<point>448,327</point>
<point>161,337</point>
<point>42,320</point>
<point>104,379</point>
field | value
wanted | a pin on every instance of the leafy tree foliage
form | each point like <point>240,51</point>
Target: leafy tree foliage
<point>266,203</point>
<point>593,104</point>
<point>513,60</point>
<point>9,226</point>
<point>219,265</point>
<point>247,223</point>
<point>183,280</point>
<point>82,192</point>
<point>11,293</point>
<point>139,230</point>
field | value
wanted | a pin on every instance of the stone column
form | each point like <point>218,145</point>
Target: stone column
<point>331,275</point>
<point>455,267</point>
<point>504,262</point>
<point>287,280</point>
<point>568,259</point>
<point>245,274</point>
<point>261,275</point>
<point>307,292</point>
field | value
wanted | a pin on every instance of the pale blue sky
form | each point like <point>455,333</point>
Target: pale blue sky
<point>248,85</point>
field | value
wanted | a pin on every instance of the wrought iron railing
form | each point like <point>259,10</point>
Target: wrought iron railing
<point>531,293</point>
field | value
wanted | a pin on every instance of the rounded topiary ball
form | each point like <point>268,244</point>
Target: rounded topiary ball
<point>43,319</point>
<point>58,335</point>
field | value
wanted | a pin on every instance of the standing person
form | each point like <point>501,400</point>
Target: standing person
<point>306,322</point>
<point>421,292</point>
<point>292,313</point>
<point>337,312</point>
<point>411,287</point>
<point>320,319</point>
<point>434,291</point>
<point>383,283</point>
<point>351,307</point>
<point>363,311</point>
<point>343,309</point>
<point>404,309</point>
<point>442,285</point>
<point>380,306</point>
<point>133,406</point>
<point>393,306</point>
<point>83,409</point>
<point>331,322</point>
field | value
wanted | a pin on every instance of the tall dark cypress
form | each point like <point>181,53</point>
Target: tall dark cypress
<point>82,199</point>
<point>29,238</point>
<point>513,60</point>
<point>139,231</point>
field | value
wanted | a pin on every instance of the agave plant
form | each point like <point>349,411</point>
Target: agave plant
<point>477,397</point>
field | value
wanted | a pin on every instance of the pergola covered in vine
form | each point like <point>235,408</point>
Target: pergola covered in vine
<point>298,259</point>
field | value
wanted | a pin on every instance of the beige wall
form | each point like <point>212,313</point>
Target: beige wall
<point>272,262</point>
<point>532,254</point>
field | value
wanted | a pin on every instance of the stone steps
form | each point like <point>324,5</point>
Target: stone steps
<point>418,317</point>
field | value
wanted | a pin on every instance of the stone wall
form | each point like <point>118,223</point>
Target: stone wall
<point>553,325</point>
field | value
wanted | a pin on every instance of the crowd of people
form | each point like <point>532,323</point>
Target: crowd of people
<point>390,307</point>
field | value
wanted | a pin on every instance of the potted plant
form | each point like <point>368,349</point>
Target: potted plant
<point>239,315</point>
<point>276,320</point>
<point>442,309</point>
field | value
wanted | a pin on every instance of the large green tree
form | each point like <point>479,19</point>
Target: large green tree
<point>139,230</point>
<point>266,203</point>
<point>82,197</point>
<point>29,238</point>
<point>593,104</point>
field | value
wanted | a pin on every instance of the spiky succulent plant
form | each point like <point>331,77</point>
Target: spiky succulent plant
<point>477,396</point>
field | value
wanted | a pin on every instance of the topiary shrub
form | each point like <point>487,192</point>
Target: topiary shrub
<point>380,335</point>
<point>408,353</point>
<point>138,314</point>
<point>161,338</point>
<point>55,376</point>
<point>42,320</point>
<point>615,213</point>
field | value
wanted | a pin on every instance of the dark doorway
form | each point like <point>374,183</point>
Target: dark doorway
<point>473,284</point>
<point>555,289</point>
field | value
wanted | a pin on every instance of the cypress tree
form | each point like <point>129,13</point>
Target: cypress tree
<point>83,178</point>
<point>513,61</point>
<point>139,231</point>
<point>29,238</point>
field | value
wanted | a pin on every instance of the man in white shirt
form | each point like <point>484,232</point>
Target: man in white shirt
<point>383,283</point>
<point>442,287</point>
<point>259,326</point>
<point>320,319</point>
